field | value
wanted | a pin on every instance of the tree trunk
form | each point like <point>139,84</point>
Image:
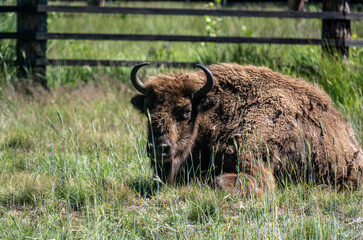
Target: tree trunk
<point>335,32</point>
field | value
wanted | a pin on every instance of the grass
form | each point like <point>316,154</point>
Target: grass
<point>73,161</point>
<point>74,166</point>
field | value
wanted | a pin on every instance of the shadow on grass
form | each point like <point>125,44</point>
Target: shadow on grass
<point>146,187</point>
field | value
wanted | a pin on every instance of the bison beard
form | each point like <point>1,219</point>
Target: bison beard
<point>245,128</point>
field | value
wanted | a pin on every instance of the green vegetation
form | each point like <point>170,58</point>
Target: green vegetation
<point>73,162</point>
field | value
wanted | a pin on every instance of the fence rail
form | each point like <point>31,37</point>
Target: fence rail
<point>33,36</point>
<point>149,37</point>
<point>184,11</point>
<point>175,38</point>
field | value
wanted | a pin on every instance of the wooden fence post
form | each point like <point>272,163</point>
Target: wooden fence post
<point>336,30</point>
<point>296,5</point>
<point>29,49</point>
<point>100,3</point>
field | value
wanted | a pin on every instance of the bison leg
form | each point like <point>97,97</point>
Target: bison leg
<point>254,182</point>
<point>226,181</point>
<point>174,169</point>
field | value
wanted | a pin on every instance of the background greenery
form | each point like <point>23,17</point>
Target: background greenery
<point>73,162</point>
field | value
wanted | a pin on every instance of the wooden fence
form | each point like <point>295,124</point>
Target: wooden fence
<point>32,32</point>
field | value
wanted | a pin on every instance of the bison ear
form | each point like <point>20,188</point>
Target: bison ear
<point>138,102</point>
<point>207,103</point>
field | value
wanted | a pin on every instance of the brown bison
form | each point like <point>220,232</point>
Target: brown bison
<point>245,127</point>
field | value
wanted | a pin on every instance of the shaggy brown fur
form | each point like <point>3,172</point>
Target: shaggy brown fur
<point>255,127</point>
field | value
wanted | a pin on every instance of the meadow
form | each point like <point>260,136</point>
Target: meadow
<point>73,163</point>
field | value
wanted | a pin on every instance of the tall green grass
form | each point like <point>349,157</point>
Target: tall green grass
<point>73,161</point>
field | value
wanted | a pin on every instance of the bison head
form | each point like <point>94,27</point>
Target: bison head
<point>173,105</point>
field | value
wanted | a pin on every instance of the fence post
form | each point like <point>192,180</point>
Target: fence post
<point>336,31</point>
<point>29,49</point>
<point>296,5</point>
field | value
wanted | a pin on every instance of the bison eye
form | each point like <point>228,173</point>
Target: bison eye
<point>187,114</point>
<point>183,115</point>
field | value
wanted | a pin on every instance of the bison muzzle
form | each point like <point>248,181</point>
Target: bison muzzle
<point>245,128</point>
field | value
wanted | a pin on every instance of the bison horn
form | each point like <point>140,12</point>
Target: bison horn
<point>135,80</point>
<point>209,84</point>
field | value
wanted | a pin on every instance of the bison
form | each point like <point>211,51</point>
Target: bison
<point>246,128</point>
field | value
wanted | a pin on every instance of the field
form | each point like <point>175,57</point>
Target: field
<point>73,162</point>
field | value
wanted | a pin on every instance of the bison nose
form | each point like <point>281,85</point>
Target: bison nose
<point>159,151</point>
<point>163,149</point>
